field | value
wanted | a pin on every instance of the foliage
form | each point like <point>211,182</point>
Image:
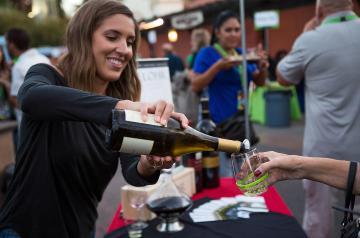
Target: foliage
<point>49,31</point>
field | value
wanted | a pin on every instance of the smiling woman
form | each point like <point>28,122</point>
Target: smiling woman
<point>63,165</point>
<point>112,49</point>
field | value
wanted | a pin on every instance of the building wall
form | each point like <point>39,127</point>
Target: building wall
<point>292,22</point>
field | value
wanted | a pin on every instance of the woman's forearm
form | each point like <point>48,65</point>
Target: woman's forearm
<point>329,171</point>
<point>200,81</point>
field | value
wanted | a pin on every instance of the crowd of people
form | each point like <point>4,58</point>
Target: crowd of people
<point>62,163</point>
<point>63,139</point>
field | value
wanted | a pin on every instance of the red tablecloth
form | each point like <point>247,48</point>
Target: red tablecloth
<point>227,188</point>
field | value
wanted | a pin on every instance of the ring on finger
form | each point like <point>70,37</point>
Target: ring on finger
<point>155,164</point>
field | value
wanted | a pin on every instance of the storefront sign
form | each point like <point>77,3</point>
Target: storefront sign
<point>187,21</point>
<point>266,19</point>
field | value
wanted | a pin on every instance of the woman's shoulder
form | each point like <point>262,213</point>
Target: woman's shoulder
<point>208,52</point>
<point>46,70</point>
<point>208,49</point>
<point>43,67</point>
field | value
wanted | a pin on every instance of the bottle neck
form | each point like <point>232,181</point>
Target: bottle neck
<point>230,146</point>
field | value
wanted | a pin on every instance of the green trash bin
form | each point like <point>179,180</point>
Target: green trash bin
<point>277,108</point>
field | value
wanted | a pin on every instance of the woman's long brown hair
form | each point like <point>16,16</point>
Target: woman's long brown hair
<point>78,65</point>
<point>3,65</point>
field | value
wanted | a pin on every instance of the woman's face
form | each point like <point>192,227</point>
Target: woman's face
<point>112,45</point>
<point>229,34</point>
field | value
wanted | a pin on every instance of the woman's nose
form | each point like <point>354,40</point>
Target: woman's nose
<point>122,47</point>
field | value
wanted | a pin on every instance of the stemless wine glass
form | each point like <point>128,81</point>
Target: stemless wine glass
<point>244,166</point>
<point>137,199</point>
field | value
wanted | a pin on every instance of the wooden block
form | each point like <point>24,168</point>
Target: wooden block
<point>184,179</point>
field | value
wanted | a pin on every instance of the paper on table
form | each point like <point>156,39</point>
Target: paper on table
<point>228,208</point>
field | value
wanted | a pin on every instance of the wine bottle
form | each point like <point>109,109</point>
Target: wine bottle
<point>193,160</point>
<point>210,160</point>
<point>130,134</point>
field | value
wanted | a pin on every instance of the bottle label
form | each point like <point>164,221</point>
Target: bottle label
<point>136,146</point>
<point>135,116</point>
<point>210,162</point>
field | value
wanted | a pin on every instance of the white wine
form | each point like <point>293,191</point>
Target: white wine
<point>130,134</point>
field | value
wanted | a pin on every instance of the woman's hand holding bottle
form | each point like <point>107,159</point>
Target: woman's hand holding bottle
<point>162,111</point>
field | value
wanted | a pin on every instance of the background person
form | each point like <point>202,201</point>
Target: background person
<point>324,170</point>
<point>185,100</point>
<point>18,44</point>
<point>220,74</point>
<point>5,109</point>
<point>175,62</point>
<point>200,38</point>
<point>63,165</point>
<point>326,56</point>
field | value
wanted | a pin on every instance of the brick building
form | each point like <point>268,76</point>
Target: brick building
<point>293,16</point>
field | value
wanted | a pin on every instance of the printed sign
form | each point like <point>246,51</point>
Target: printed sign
<point>155,80</point>
<point>187,21</point>
<point>266,19</point>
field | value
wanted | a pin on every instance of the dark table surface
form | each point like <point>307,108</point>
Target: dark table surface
<point>269,225</point>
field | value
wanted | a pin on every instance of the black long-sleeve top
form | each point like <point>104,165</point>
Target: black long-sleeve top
<point>63,165</point>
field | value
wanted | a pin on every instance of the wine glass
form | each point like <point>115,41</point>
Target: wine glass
<point>137,199</point>
<point>244,166</point>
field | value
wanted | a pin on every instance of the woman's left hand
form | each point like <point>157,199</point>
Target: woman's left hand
<point>148,164</point>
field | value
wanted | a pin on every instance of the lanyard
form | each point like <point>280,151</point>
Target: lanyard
<point>225,54</point>
<point>348,17</point>
<point>240,97</point>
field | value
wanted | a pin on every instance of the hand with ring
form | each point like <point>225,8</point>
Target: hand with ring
<point>161,162</point>
<point>148,164</point>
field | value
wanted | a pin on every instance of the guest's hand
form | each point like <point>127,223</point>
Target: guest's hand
<point>161,109</point>
<point>263,63</point>
<point>280,167</point>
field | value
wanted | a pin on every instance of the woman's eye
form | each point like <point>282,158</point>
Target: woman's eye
<point>130,43</point>
<point>111,38</point>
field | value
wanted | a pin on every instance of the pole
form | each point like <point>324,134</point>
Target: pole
<point>266,40</point>
<point>244,64</point>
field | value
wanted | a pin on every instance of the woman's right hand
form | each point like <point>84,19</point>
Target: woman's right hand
<point>161,109</point>
<point>226,63</point>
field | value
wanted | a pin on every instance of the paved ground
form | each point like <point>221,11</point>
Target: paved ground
<point>286,140</point>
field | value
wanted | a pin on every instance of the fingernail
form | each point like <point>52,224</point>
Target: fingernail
<point>163,122</point>
<point>257,173</point>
